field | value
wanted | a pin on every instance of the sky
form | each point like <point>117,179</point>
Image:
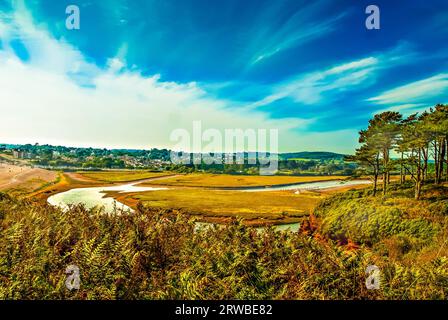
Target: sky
<point>136,71</point>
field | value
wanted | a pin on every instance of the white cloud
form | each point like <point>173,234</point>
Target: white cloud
<point>426,90</point>
<point>323,86</point>
<point>297,30</point>
<point>405,109</point>
<point>123,110</point>
<point>115,64</point>
<point>42,101</point>
<point>309,88</point>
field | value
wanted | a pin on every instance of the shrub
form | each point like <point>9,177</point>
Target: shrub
<point>151,254</point>
<point>369,220</point>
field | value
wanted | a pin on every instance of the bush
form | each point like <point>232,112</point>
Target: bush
<point>367,221</point>
<point>152,254</point>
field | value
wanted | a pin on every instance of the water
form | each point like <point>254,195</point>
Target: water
<point>293,227</point>
<point>94,197</point>
<point>308,186</point>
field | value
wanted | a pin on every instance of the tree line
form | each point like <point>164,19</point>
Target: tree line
<point>414,146</point>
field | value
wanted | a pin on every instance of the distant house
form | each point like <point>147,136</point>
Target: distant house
<point>21,154</point>
<point>18,154</point>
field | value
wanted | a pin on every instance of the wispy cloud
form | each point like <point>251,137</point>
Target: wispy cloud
<point>309,88</point>
<point>44,51</point>
<point>298,30</point>
<point>405,109</point>
<point>426,91</point>
<point>41,100</point>
<point>323,86</point>
<point>285,39</point>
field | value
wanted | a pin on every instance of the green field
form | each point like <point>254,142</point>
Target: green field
<point>122,176</point>
<point>278,206</point>
<point>226,180</point>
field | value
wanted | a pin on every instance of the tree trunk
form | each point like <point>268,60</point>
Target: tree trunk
<point>436,162</point>
<point>425,152</point>
<point>385,172</point>
<point>418,176</point>
<point>375,183</point>
<point>418,189</point>
<point>401,170</point>
<point>442,159</point>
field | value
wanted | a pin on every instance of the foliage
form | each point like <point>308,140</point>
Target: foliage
<point>155,255</point>
<point>417,138</point>
<point>406,237</point>
<point>369,220</point>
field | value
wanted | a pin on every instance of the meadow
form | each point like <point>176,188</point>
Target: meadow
<point>272,207</point>
<point>206,180</point>
<point>191,194</point>
<point>121,176</point>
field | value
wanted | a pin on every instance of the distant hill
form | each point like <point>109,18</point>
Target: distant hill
<point>312,155</point>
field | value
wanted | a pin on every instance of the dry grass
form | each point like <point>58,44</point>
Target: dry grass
<point>229,181</point>
<point>216,205</point>
<point>122,176</point>
<point>150,254</point>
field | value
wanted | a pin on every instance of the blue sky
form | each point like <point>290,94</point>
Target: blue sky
<point>136,70</point>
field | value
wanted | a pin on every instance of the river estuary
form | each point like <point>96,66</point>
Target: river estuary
<point>95,197</point>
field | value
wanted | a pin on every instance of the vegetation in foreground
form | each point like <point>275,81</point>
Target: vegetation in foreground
<point>160,255</point>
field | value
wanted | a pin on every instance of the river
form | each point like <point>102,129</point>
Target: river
<point>95,197</point>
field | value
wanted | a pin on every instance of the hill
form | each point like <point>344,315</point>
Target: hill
<point>312,155</point>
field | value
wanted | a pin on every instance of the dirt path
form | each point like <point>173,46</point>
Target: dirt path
<point>72,180</point>
<point>12,176</point>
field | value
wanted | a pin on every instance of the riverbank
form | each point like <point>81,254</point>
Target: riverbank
<point>143,256</point>
<point>271,206</point>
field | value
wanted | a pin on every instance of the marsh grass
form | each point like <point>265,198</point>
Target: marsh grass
<point>122,176</point>
<point>206,180</point>
<point>152,254</point>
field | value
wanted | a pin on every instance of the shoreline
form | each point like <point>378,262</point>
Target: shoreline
<point>130,199</point>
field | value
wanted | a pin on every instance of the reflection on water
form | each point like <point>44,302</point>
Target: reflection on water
<point>293,227</point>
<point>308,186</point>
<point>94,197</point>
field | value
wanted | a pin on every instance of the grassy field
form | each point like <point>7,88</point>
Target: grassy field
<point>200,201</point>
<point>226,180</point>
<point>219,206</point>
<point>121,176</point>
